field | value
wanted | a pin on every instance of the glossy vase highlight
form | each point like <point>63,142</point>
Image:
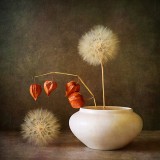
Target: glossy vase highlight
<point>108,129</point>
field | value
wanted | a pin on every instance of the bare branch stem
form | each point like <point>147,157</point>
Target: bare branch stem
<point>69,74</point>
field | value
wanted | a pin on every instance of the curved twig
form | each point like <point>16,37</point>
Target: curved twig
<point>69,74</point>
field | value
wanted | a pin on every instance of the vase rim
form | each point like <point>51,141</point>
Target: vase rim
<point>107,109</point>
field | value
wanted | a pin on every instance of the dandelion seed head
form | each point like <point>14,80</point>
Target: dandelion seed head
<point>98,45</point>
<point>40,127</point>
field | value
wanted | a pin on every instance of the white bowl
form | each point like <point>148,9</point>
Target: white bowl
<point>105,129</point>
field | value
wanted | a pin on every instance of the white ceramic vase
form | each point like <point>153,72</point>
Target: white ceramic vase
<point>108,129</point>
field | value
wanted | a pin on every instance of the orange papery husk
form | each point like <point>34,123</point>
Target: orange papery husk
<point>76,100</point>
<point>49,86</point>
<point>72,87</point>
<point>35,90</point>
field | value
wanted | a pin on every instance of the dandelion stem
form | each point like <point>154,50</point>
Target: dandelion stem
<point>69,74</point>
<point>103,85</point>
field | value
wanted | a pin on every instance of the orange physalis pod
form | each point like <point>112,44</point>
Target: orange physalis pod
<point>76,100</point>
<point>72,87</point>
<point>49,86</point>
<point>35,90</point>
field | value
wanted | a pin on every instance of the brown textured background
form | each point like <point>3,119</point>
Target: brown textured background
<point>38,36</point>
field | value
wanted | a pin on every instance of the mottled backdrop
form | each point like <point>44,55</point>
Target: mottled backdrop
<point>39,36</point>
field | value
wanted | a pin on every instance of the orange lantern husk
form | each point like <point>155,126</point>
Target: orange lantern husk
<point>49,86</point>
<point>35,90</point>
<point>72,87</point>
<point>76,100</point>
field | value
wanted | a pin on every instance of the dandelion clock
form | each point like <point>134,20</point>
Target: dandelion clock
<point>97,47</point>
<point>40,127</point>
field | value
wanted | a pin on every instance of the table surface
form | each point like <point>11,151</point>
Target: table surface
<point>67,147</point>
